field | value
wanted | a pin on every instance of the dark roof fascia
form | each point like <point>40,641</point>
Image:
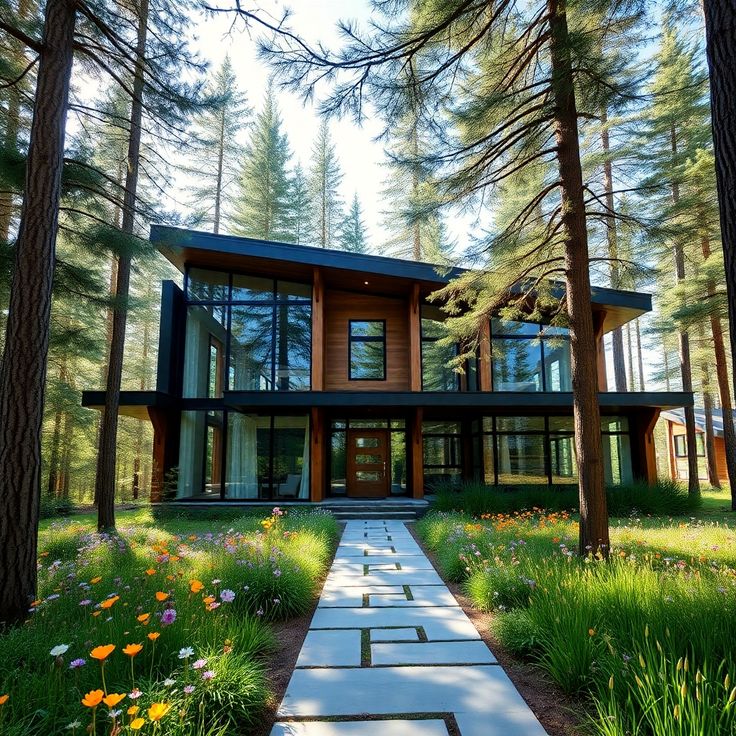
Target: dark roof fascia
<point>157,399</point>
<point>408,399</point>
<point>166,237</point>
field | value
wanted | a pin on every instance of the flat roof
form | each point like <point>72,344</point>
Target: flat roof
<point>183,247</point>
<point>678,417</point>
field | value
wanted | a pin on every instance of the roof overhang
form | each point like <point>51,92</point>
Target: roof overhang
<point>349,271</point>
<point>132,403</point>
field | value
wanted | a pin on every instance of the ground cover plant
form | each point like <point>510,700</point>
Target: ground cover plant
<point>648,636</point>
<point>161,627</point>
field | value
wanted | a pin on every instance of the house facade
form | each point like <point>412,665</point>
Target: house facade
<point>289,372</point>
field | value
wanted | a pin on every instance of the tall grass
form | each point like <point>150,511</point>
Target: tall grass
<point>648,635</point>
<point>223,581</point>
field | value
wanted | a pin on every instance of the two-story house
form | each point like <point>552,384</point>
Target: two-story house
<point>294,372</point>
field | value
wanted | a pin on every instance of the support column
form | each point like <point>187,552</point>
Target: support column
<point>165,449</point>
<point>484,379</point>
<point>644,456</point>
<point>415,340</point>
<point>318,332</point>
<point>317,454</point>
<point>416,450</point>
<point>599,319</point>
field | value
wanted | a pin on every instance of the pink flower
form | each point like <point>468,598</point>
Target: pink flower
<point>199,664</point>
<point>208,675</point>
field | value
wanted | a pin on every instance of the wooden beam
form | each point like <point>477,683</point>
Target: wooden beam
<point>485,356</point>
<point>318,331</point>
<point>416,450</point>
<point>650,451</point>
<point>415,340</point>
<point>317,453</point>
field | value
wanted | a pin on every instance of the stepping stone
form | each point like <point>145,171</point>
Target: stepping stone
<point>415,562</point>
<point>394,635</point>
<point>361,728</point>
<point>439,624</point>
<point>352,596</point>
<point>428,595</point>
<point>444,652</point>
<point>516,723</point>
<point>384,577</point>
<point>330,649</point>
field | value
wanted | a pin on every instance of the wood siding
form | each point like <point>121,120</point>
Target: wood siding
<point>340,308</point>
<point>678,465</point>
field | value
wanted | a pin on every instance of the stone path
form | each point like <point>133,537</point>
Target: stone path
<point>388,641</point>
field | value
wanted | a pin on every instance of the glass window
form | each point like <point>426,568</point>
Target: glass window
<point>204,285</point>
<point>617,459</point>
<point>440,427</point>
<point>516,365</point>
<point>561,424</point>
<point>368,424</point>
<point>436,374</point>
<point>338,463</point>
<point>293,292</point>
<point>200,454</point>
<point>520,329</point>
<point>204,357</point>
<point>615,424</point>
<point>557,373</point>
<point>398,462</point>
<point>293,347</point>
<point>519,424</point>
<point>562,459</point>
<point>252,288</point>
<point>251,349</point>
<point>367,340</point>
<point>521,459</point>
<point>290,457</point>
<point>681,445</point>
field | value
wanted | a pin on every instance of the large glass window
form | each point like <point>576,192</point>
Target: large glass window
<point>261,331</point>
<point>200,455</point>
<point>529,357</point>
<point>367,345</point>
<point>443,459</point>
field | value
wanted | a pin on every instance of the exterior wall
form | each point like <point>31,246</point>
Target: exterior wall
<point>340,308</point>
<point>678,465</point>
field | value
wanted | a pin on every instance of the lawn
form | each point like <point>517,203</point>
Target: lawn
<point>163,627</point>
<point>648,637</point>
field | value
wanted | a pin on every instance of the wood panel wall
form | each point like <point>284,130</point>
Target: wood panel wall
<point>340,307</point>
<point>678,465</point>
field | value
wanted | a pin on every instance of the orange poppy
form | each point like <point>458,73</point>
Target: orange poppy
<point>153,635</point>
<point>150,571</point>
<point>102,652</point>
<point>110,602</point>
<point>137,724</point>
<point>143,618</point>
<point>195,586</point>
<point>93,698</point>
<point>132,649</point>
<point>161,597</point>
<point>113,699</point>
<point>4,699</point>
<point>96,580</point>
<point>209,599</point>
<point>158,710</point>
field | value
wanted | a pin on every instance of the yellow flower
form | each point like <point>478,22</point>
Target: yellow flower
<point>137,724</point>
<point>132,649</point>
<point>195,586</point>
<point>110,602</point>
<point>93,698</point>
<point>102,652</point>
<point>4,699</point>
<point>113,699</point>
<point>158,710</point>
<point>209,599</point>
<point>161,597</point>
<point>133,710</point>
<point>153,635</point>
<point>94,581</point>
<point>591,632</point>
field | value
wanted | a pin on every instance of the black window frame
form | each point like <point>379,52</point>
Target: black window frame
<point>681,447</point>
<point>366,338</point>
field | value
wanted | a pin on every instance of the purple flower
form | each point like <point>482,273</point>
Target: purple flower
<point>199,664</point>
<point>277,573</point>
<point>168,616</point>
<point>77,663</point>
<point>85,602</point>
<point>208,675</point>
<point>227,596</point>
<point>188,689</point>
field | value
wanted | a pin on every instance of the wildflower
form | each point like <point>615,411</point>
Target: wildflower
<point>101,653</point>
<point>161,596</point>
<point>158,710</point>
<point>591,632</point>
<point>227,596</point>
<point>4,699</point>
<point>75,664</point>
<point>137,724</point>
<point>93,698</point>
<point>186,652</point>
<point>208,675</point>
<point>168,617</point>
<point>277,573</point>
<point>188,689</point>
<point>113,699</point>
<point>59,649</point>
<point>199,664</point>
<point>110,602</point>
<point>73,725</point>
<point>134,694</point>
<point>153,635</point>
<point>259,612</point>
<point>133,710</point>
<point>143,618</point>
<point>96,580</point>
<point>132,649</point>
<point>168,682</point>
<point>195,586</point>
<point>208,600</point>
<point>216,581</point>
<point>150,571</point>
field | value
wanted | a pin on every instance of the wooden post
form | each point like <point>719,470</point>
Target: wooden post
<point>417,456</point>
<point>415,340</point>
<point>317,453</point>
<point>650,454</point>
<point>165,449</point>
<point>485,357</point>
<point>318,332</point>
<point>599,319</point>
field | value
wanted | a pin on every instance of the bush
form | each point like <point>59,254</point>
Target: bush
<point>667,497</point>
<point>53,507</point>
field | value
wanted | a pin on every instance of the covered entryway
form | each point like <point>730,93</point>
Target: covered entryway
<point>368,456</point>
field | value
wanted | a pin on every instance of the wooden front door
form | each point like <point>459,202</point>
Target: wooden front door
<point>368,463</point>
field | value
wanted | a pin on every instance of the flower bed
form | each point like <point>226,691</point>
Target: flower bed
<point>648,635</point>
<point>159,628</point>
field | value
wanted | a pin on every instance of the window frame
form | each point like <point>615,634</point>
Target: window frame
<point>680,449</point>
<point>364,339</point>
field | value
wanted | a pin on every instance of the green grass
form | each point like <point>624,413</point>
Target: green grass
<point>273,572</point>
<point>613,630</point>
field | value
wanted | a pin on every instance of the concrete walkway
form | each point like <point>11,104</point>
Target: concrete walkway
<point>390,652</point>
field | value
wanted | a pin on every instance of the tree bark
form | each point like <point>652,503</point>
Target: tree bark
<point>105,481</point>
<point>630,350</point>
<point>639,357</point>
<point>619,366</point>
<point>23,369</point>
<point>220,165</point>
<point>588,444</point>
<point>720,32</point>
<point>710,443</point>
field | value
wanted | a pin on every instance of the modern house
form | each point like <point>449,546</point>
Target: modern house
<point>294,372</point>
<point>677,443</point>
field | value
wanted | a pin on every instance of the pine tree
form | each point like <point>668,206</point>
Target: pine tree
<point>261,209</point>
<point>352,229</point>
<point>325,178</point>
<point>299,208</point>
<point>213,161</point>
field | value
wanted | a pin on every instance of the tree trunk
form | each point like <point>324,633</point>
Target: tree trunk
<point>105,481</point>
<point>639,358</point>
<point>588,443</point>
<point>65,472</point>
<point>220,164</point>
<point>666,360</point>
<point>720,32</point>
<point>710,443</point>
<point>23,370</point>
<point>619,367</point>
<point>630,351</point>
<point>54,456</point>
<point>683,340</point>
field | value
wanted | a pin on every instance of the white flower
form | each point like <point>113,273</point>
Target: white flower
<point>73,725</point>
<point>168,682</point>
<point>186,652</point>
<point>59,649</point>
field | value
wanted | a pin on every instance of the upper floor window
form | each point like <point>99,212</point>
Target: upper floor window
<point>681,445</point>
<point>367,346</point>
<point>530,357</point>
